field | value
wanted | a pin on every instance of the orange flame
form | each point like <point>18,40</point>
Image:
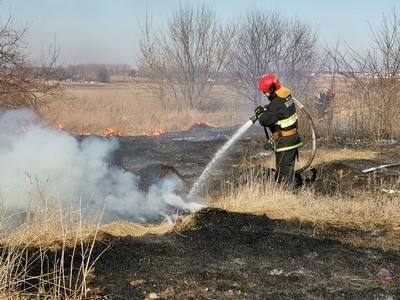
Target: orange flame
<point>158,131</point>
<point>58,126</point>
<point>197,123</point>
<point>155,132</point>
<point>112,132</point>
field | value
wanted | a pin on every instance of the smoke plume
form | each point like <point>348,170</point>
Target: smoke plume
<point>40,164</point>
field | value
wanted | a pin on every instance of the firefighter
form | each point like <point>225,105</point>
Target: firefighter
<point>280,117</point>
<point>323,102</point>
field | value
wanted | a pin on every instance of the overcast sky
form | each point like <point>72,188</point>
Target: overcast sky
<point>108,31</point>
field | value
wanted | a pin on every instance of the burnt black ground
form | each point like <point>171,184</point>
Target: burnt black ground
<point>238,256</point>
<point>226,255</point>
<point>183,153</point>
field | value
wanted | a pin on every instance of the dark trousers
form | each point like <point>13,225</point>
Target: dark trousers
<point>285,161</point>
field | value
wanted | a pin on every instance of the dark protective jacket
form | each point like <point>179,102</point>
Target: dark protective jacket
<point>281,118</point>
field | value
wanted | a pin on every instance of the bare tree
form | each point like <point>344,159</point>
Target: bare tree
<point>270,43</point>
<point>23,84</point>
<point>186,60</point>
<point>371,80</point>
<point>102,74</point>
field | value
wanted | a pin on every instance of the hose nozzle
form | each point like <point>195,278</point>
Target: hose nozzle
<point>254,119</point>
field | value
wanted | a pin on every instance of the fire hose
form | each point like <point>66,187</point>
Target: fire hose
<point>313,136</point>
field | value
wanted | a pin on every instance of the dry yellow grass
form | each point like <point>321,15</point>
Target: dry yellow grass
<point>365,210</point>
<point>55,229</point>
<point>132,108</point>
<point>277,203</point>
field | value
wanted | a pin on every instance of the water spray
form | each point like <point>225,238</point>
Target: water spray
<point>200,181</point>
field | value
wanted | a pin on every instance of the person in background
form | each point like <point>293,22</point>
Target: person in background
<point>323,102</point>
<point>280,116</point>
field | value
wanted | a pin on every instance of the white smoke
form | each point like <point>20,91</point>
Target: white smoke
<point>39,163</point>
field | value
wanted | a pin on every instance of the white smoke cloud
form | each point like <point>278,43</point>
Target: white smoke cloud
<point>39,163</point>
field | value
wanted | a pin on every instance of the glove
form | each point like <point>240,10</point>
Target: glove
<point>259,111</point>
<point>270,145</point>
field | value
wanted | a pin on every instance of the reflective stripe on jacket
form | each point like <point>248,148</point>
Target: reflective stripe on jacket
<point>289,147</point>
<point>284,123</point>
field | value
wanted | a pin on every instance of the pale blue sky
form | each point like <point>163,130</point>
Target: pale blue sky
<point>107,31</point>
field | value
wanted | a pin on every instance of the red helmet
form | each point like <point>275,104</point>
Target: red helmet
<point>269,82</point>
<point>331,93</point>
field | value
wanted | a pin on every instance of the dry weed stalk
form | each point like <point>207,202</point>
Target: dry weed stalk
<point>49,255</point>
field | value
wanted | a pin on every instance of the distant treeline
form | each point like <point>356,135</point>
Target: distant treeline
<point>93,72</point>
